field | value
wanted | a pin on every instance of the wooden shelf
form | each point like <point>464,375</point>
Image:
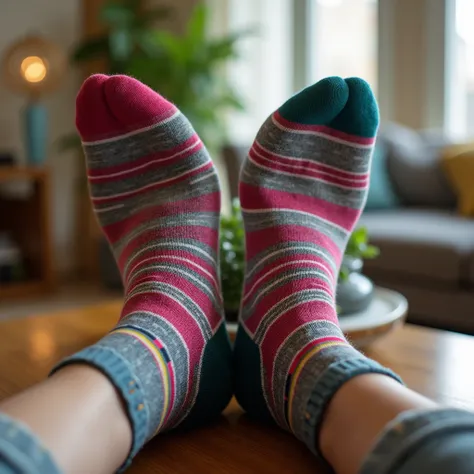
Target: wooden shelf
<point>9,173</point>
<point>28,222</point>
<point>23,289</point>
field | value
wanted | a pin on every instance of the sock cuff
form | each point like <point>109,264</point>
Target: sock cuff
<point>117,369</point>
<point>21,450</point>
<point>330,381</point>
<point>411,431</point>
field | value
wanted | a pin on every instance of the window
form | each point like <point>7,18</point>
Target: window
<point>297,43</point>
<point>460,77</point>
<point>263,73</point>
<point>344,39</point>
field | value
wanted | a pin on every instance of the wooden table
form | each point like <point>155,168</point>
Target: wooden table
<point>437,364</point>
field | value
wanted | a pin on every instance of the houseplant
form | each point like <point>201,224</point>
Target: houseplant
<point>232,258</point>
<point>354,290</point>
<point>185,68</point>
<point>232,254</point>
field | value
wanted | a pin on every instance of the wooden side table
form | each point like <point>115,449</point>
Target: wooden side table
<point>28,222</point>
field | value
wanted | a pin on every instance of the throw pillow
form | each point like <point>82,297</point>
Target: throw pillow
<point>458,162</point>
<point>415,168</point>
<point>381,192</point>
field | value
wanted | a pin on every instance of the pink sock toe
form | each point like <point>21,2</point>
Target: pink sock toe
<point>134,104</point>
<point>93,118</point>
<point>108,106</point>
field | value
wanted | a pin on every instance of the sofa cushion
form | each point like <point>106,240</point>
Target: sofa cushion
<point>414,165</point>
<point>381,192</point>
<point>459,165</point>
<point>422,243</point>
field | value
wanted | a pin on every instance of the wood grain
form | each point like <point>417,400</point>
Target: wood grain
<point>435,363</point>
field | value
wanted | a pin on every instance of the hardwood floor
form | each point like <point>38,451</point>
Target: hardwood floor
<point>69,295</point>
<point>435,363</point>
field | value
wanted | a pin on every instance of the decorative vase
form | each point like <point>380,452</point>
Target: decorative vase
<point>355,293</point>
<point>35,128</point>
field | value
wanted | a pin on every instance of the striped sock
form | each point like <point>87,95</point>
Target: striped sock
<point>156,194</point>
<point>303,187</point>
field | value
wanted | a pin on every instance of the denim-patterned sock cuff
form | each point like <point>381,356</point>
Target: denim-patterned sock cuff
<point>21,452</point>
<point>409,432</point>
<point>118,371</point>
<point>326,386</point>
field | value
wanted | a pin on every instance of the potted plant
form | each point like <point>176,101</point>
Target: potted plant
<point>232,257</point>
<point>354,290</point>
<point>185,68</point>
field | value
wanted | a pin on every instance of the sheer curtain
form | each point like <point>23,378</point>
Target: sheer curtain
<point>263,73</point>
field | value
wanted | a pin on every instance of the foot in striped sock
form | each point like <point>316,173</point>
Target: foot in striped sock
<point>156,194</point>
<point>302,189</point>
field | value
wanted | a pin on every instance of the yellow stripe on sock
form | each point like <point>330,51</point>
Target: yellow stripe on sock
<point>299,369</point>
<point>158,356</point>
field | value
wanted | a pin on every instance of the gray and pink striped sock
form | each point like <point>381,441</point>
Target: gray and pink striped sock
<point>156,194</point>
<point>302,189</point>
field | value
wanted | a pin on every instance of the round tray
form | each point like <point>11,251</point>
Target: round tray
<point>386,311</point>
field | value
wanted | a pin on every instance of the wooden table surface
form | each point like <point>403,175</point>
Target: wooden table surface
<point>437,364</point>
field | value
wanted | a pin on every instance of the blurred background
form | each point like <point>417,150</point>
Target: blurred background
<point>228,64</point>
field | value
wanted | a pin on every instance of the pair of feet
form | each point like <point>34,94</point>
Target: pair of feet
<point>156,193</point>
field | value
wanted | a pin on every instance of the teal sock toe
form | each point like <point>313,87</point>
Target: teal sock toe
<point>360,115</point>
<point>317,104</point>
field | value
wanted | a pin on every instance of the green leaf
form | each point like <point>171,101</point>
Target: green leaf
<point>232,253</point>
<point>196,28</point>
<point>121,44</point>
<point>117,14</point>
<point>222,49</point>
<point>145,41</point>
<point>171,46</point>
<point>371,252</point>
<point>343,274</point>
<point>91,49</point>
<point>232,101</point>
<point>360,236</point>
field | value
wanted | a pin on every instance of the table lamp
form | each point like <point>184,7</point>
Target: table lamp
<point>34,67</point>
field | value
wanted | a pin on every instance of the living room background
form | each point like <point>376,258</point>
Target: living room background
<point>418,56</point>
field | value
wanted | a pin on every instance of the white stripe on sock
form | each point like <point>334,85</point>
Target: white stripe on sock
<point>322,135</point>
<point>132,133</point>
<point>144,165</point>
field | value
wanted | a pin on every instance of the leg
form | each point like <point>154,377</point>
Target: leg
<point>375,425</point>
<point>348,434</point>
<point>303,187</point>
<point>156,194</point>
<point>79,418</point>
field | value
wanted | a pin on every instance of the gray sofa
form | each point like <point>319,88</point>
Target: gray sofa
<point>427,249</point>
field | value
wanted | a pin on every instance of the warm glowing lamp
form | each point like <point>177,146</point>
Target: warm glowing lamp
<point>34,67</point>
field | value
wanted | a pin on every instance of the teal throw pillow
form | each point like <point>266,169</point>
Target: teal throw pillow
<point>382,193</point>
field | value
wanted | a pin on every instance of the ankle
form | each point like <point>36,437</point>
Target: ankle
<point>349,407</point>
<point>98,391</point>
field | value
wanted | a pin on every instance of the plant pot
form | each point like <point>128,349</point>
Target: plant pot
<point>355,293</point>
